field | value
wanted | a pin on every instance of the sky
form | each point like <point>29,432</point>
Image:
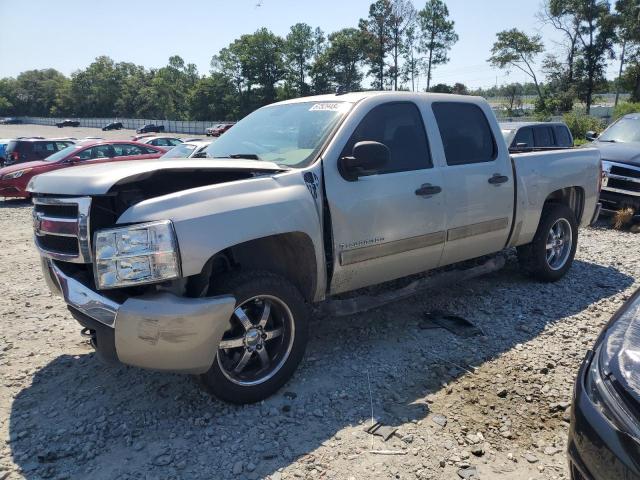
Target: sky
<point>68,34</point>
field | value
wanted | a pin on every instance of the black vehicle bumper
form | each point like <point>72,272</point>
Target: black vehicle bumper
<point>614,201</point>
<point>597,450</point>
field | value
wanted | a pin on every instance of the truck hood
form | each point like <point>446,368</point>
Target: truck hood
<point>628,152</point>
<point>100,178</point>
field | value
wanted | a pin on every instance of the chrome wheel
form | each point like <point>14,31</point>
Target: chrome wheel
<point>559,244</point>
<point>259,341</point>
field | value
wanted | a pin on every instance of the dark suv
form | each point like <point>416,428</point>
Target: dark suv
<point>151,127</point>
<point>28,149</point>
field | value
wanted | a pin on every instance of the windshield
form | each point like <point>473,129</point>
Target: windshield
<point>62,154</point>
<point>627,129</point>
<point>289,135</point>
<point>181,151</point>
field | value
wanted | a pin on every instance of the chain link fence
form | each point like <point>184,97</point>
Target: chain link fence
<point>174,126</point>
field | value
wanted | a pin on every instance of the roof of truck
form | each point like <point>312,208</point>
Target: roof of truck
<point>354,97</point>
<point>515,125</point>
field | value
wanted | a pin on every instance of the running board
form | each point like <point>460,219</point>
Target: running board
<point>350,306</point>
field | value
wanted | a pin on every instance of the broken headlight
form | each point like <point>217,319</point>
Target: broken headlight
<point>136,255</point>
<point>613,378</point>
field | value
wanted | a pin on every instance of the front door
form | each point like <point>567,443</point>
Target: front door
<point>389,223</point>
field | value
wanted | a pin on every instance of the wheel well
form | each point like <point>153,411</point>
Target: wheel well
<point>572,197</point>
<point>291,255</point>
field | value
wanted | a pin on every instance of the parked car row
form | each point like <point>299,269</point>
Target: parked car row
<point>15,177</point>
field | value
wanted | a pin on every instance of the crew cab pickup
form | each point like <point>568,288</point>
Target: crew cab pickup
<point>209,266</point>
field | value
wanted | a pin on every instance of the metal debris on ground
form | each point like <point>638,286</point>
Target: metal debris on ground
<point>380,430</point>
<point>453,323</point>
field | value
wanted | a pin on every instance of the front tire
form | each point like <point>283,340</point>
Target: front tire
<point>550,255</point>
<point>266,341</point>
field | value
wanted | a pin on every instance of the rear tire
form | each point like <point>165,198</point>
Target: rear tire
<point>264,349</point>
<point>550,255</point>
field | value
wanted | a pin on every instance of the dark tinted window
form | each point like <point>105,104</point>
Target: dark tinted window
<point>465,132</point>
<point>125,150</point>
<point>543,137</point>
<point>563,137</point>
<point>44,148</point>
<point>524,135</point>
<point>398,126</point>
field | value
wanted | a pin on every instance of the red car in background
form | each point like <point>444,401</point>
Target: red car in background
<point>217,130</point>
<point>15,178</point>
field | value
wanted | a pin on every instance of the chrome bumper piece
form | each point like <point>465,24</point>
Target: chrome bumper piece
<point>159,331</point>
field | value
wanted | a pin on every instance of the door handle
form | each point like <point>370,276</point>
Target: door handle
<point>497,179</point>
<point>427,189</point>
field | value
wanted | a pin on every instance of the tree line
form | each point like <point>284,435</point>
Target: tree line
<point>394,47</point>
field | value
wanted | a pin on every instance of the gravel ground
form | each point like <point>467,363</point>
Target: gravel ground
<point>494,404</point>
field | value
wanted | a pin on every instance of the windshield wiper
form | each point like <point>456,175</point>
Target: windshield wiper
<point>608,141</point>
<point>244,156</point>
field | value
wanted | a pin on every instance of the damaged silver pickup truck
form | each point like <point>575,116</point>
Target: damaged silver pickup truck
<point>209,266</point>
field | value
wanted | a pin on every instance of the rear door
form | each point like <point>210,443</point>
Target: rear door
<point>386,224</point>
<point>478,183</point>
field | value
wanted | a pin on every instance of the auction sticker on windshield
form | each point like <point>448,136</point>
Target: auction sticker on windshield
<point>329,107</point>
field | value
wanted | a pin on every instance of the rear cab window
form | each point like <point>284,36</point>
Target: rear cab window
<point>466,134</point>
<point>563,136</point>
<point>524,136</point>
<point>543,137</point>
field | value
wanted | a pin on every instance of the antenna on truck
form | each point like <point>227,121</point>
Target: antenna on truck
<point>341,90</point>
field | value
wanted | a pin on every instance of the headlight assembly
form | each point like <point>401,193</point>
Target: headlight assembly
<point>613,378</point>
<point>16,174</point>
<point>136,255</point>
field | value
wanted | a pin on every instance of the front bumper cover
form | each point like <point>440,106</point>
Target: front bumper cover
<point>159,331</point>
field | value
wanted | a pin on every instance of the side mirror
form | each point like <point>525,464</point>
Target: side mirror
<point>74,160</point>
<point>365,157</point>
<point>591,135</point>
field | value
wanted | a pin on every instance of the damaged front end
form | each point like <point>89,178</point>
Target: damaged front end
<point>159,331</point>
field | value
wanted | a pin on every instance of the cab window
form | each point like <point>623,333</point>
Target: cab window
<point>399,126</point>
<point>465,132</point>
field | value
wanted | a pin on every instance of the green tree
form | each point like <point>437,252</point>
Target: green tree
<point>7,96</point>
<point>299,48</point>
<point>595,26</point>
<point>377,29</point>
<point>515,49</point>
<point>34,91</point>
<point>629,34</point>
<point>403,17</point>
<point>213,98</point>
<point>320,74</point>
<point>597,34</point>
<point>441,88</point>
<point>413,64</point>
<point>343,56</point>
<point>437,35</point>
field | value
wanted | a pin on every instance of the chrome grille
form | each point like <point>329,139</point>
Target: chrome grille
<point>61,227</point>
<point>621,178</point>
